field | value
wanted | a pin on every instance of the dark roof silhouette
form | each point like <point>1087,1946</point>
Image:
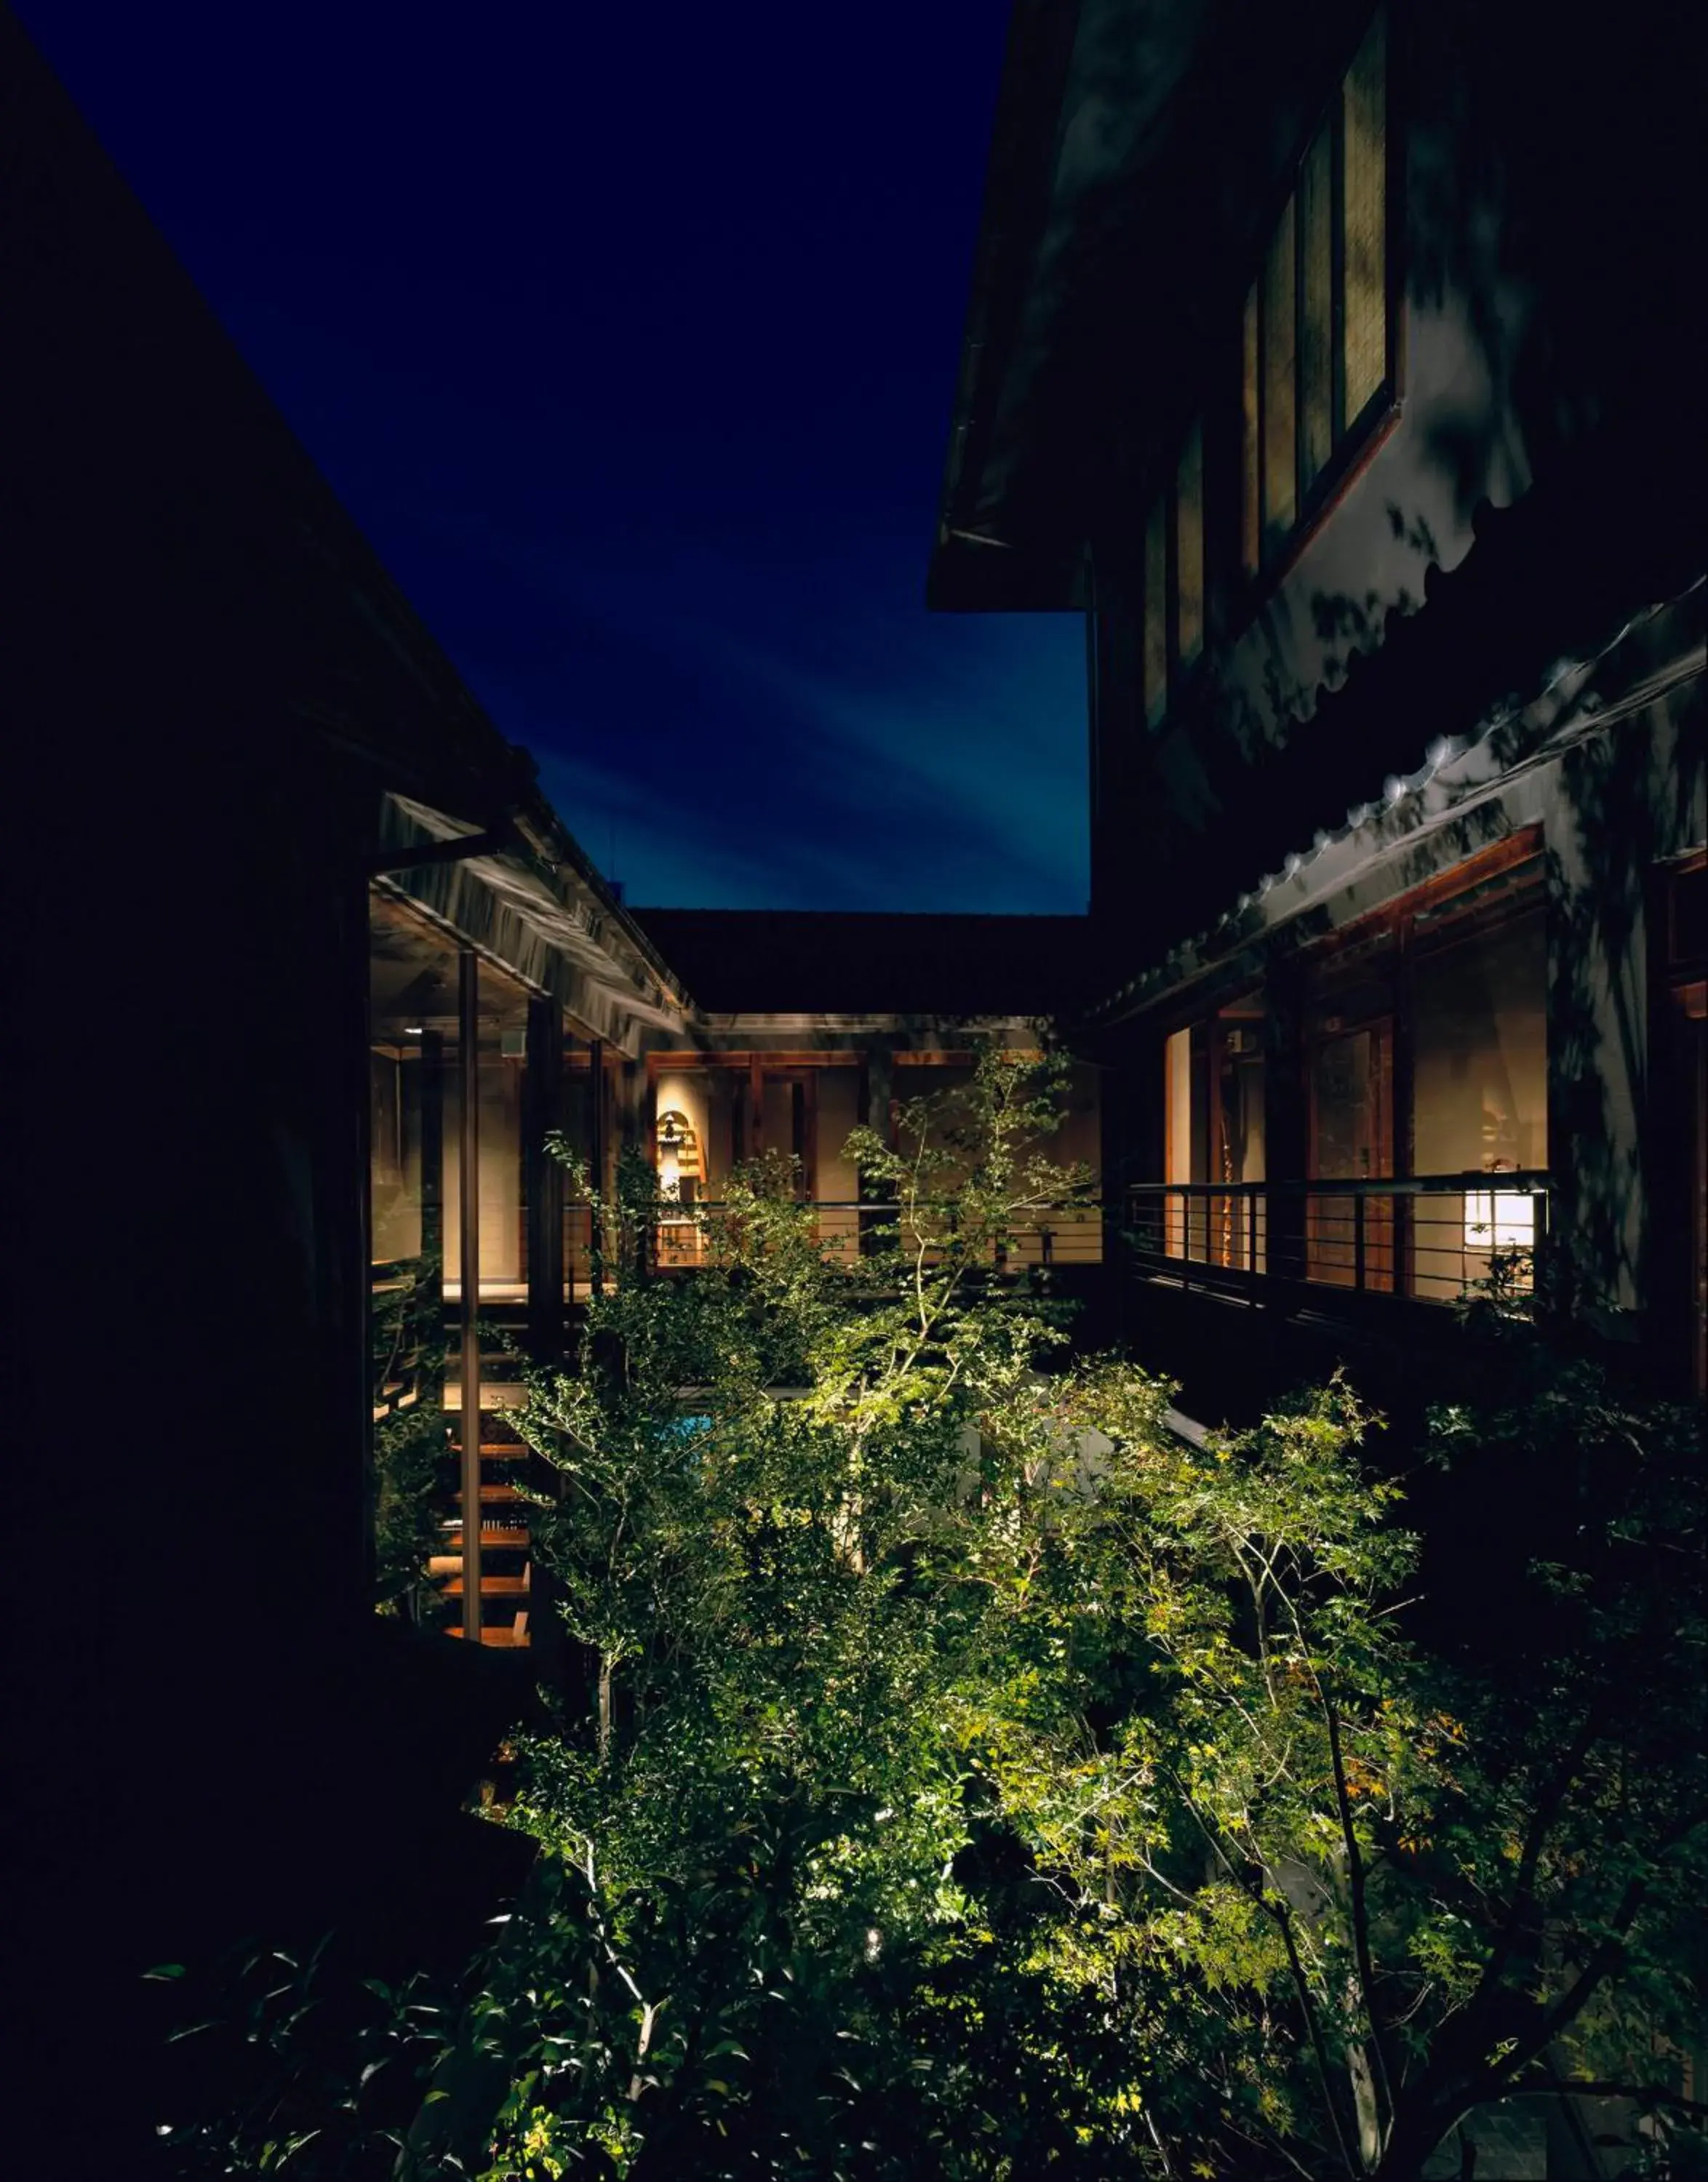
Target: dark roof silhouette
<point>765,961</point>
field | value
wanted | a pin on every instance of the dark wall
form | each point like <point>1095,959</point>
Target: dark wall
<point>207,683</point>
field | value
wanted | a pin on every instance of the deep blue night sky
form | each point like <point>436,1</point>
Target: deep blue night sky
<point>629,338</point>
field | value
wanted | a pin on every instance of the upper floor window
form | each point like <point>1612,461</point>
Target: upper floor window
<point>1173,577</point>
<point>1317,337</point>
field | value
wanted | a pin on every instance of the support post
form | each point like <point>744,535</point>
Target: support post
<point>1404,1119</point>
<point>468,1206</point>
<point>876,1090</point>
<point>756,1107</point>
<point>598,1183</point>
<point>648,1248</point>
<point>430,1299</point>
<point>543,1109</point>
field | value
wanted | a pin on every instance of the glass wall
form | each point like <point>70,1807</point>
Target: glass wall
<point>501,1047</point>
<point>711,1113</point>
<point>451,1547</point>
<point>1214,1135</point>
<point>412,971</point>
<point>413,989</point>
<point>1479,1083</point>
<point>710,1117</point>
<point>1349,1104</point>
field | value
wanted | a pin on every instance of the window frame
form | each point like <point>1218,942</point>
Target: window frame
<point>1355,439</point>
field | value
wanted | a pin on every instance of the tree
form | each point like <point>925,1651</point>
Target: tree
<point>971,1778</point>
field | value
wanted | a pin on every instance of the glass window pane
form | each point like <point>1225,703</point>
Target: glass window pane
<point>412,1026</point>
<point>1280,362</point>
<point>1238,1102</point>
<point>1350,1028</point>
<point>1315,337</point>
<point>1188,549</point>
<point>1155,613</point>
<point>502,1050</point>
<point>1480,1078</point>
<point>1177,1145</point>
<point>1365,214</point>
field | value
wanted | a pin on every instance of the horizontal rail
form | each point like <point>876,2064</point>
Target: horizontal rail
<point>1435,1237</point>
<point>844,1228</point>
<point>1527,1182</point>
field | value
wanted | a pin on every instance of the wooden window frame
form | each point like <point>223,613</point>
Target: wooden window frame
<point>1355,440</point>
<point>1446,897</point>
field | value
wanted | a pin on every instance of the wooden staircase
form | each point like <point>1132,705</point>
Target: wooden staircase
<point>507,1572</point>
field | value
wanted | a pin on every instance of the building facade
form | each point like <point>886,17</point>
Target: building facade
<point>304,971</point>
<point>1338,365</point>
<point>512,1000</point>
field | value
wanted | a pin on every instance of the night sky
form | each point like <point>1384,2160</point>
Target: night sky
<point>629,337</point>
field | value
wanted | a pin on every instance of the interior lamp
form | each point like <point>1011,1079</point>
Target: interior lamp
<point>1499,1220</point>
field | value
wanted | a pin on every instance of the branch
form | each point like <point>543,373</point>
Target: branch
<point>1300,1983</point>
<point>1535,1840</point>
<point>1355,1878</point>
<point>1600,1965</point>
<point>1319,2049</point>
<point>1588,2087</point>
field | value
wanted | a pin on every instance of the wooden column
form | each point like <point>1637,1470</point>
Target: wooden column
<point>643,1088</point>
<point>433,1158</point>
<point>806,1095</point>
<point>1403,1102</point>
<point>1286,1132</point>
<point>598,1181</point>
<point>469,1205</point>
<point>543,1109</point>
<point>429,1327</point>
<point>876,1088</point>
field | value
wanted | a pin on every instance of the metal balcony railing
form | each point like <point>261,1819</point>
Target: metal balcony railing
<point>1431,1237</point>
<point>844,1228</point>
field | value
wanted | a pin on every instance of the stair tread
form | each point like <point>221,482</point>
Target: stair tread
<point>491,1587</point>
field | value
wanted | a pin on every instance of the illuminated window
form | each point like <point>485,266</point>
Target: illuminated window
<point>1364,212</point>
<point>1213,1137</point>
<point>1499,1219</point>
<point>1280,384</point>
<point>1315,331</point>
<point>1315,346</point>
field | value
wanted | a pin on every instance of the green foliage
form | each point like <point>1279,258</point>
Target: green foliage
<point>410,1448</point>
<point>972,1779</point>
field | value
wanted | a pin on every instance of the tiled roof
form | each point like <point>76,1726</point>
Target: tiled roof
<point>1549,581</point>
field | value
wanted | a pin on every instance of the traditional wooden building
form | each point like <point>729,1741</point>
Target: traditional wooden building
<point>1340,365</point>
<point>304,970</point>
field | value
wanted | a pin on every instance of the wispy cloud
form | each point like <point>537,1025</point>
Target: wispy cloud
<point>877,757</point>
